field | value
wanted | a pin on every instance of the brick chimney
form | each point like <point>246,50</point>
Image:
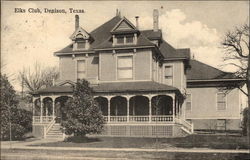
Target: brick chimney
<point>137,21</point>
<point>155,20</point>
<point>76,22</point>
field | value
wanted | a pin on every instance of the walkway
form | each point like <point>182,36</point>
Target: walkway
<point>26,145</point>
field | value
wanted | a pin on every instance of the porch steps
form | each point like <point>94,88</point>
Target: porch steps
<point>55,132</point>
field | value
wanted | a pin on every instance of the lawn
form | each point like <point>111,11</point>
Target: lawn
<point>70,155</point>
<point>191,141</point>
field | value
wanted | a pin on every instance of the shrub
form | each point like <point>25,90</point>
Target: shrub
<point>83,115</point>
<point>20,119</point>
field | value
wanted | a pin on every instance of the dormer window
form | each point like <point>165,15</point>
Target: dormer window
<point>125,39</point>
<point>81,45</point>
<point>81,39</point>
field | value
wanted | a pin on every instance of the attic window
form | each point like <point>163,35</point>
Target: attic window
<point>125,39</point>
<point>81,45</point>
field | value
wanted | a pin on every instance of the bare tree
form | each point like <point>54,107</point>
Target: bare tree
<point>37,78</point>
<point>236,45</point>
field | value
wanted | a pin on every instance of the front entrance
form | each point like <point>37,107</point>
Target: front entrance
<point>60,113</point>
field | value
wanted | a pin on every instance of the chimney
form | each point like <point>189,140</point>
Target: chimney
<point>137,21</point>
<point>155,20</point>
<point>117,12</point>
<point>76,22</point>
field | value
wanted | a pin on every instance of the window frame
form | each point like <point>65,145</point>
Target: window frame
<point>164,72</point>
<point>124,37</point>
<point>118,68</point>
<point>221,101</point>
<point>189,102</point>
<point>76,67</point>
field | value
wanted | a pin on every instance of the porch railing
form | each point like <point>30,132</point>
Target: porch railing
<point>42,119</point>
<point>153,118</point>
<point>118,118</point>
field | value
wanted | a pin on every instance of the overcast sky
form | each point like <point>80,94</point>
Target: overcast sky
<point>200,26</point>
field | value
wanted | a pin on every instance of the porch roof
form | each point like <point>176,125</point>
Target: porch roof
<point>147,86</point>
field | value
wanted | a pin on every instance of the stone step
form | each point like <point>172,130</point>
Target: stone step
<point>56,132</point>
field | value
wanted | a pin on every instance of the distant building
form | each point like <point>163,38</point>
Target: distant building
<point>144,86</point>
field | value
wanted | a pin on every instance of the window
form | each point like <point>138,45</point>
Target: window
<point>169,75</point>
<point>221,101</point>
<point>81,45</point>
<point>125,67</point>
<point>81,69</point>
<point>125,39</point>
<point>120,40</point>
<point>129,39</point>
<point>188,102</point>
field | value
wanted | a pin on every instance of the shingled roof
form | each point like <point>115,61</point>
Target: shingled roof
<point>202,71</point>
<point>145,86</point>
<point>99,35</point>
<point>170,52</point>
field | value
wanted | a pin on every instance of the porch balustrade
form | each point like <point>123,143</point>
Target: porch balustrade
<point>42,119</point>
<point>122,119</point>
<point>118,118</point>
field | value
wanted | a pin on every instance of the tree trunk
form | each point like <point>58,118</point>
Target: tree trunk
<point>248,91</point>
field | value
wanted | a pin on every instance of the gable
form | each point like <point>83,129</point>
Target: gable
<point>124,24</point>
<point>80,33</point>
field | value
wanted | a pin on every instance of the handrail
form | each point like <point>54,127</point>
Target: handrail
<point>51,123</point>
<point>189,126</point>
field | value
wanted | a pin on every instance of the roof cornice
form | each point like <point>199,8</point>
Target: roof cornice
<point>135,47</point>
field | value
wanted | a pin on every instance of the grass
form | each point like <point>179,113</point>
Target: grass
<point>192,141</point>
<point>41,155</point>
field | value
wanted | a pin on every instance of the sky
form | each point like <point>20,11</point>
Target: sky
<point>28,38</point>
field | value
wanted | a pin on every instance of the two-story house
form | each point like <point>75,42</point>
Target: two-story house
<point>144,86</point>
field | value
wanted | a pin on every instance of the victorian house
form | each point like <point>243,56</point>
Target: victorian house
<point>145,87</point>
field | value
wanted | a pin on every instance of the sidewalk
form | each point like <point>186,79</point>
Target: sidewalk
<point>25,145</point>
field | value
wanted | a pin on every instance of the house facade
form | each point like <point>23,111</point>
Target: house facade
<point>143,85</point>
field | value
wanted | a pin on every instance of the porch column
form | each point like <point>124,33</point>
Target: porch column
<point>150,109</point>
<point>127,97</point>
<point>53,107</point>
<point>109,98</point>
<point>41,109</point>
<point>173,108</point>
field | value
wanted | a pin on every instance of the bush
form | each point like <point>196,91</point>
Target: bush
<point>244,122</point>
<point>21,120</point>
<point>83,115</point>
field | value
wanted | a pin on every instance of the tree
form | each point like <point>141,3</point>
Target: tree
<point>13,120</point>
<point>38,78</point>
<point>236,45</point>
<point>83,115</point>
<point>244,121</point>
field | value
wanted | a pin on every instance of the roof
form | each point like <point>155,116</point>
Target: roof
<point>170,52</point>
<point>114,87</point>
<point>99,34</point>
<point>133,86</point>
<point>202,71</point>
<point>102,40</point>
<point>150,34</point>
<point>142,41</point>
